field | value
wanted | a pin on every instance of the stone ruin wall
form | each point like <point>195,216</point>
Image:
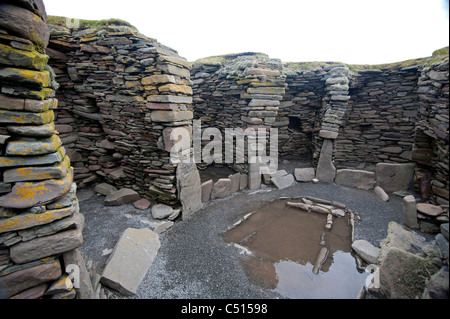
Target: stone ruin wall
<point>108,80</point>
<point>392,115</point>
<point>40,223</point>
<point>122,95</point>
<point>106,107</point>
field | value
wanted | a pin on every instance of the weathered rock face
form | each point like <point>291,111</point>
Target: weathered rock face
<point>39,215</point>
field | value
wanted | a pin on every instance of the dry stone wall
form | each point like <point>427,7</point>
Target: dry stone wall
<point>123,94</point>
<point>430,150</point>
<point>380,118</point>
<point>366,117</point>
<point>40,223</point>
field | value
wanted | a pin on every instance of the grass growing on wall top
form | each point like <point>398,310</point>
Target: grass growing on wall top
<point>86,24</point>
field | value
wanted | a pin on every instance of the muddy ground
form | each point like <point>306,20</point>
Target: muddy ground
<point>194,260</point>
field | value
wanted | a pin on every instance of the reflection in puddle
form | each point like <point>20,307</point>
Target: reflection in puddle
<point>285,244</point>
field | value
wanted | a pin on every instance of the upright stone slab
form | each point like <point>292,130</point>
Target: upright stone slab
<point>394,177</point>
<point>254,176</point>
<point>326,172</point>
<point>410,211</point>
<point>189,189</point>
<point>355,178</point>
<point>222,188</point>
<point>130,260</point>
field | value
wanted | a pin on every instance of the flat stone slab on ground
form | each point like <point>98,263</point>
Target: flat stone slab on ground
<point>161,211</point>
<point>121,197</point>
<point>129,262</point>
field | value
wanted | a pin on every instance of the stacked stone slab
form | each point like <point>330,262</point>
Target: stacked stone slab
<point>298,118</point>
<point>334,107</point>
<point>123,93</point>
<point>430,150</point>
<point>40,223</point>
<point>243,93</point>
<point>379,124</point>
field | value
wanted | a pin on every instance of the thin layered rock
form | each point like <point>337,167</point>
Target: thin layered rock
<point>39,214</point>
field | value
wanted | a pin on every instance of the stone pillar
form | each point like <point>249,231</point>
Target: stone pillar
<point>335,106</point>
<point>39,212</point>
<point>410,211</point>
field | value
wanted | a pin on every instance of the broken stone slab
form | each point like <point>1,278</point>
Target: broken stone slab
<point>29,194</point>
<point>266,177</point>
<point>304,174</point>
<point>282,182</point>
<point>381,193</point>
<point>161,211</point>
<point>355,178</point>
<point>326,171</point>
<point>189,189</point>
<point>410,211</point>
<point>121,197</point>
<point>368,252</point>
<point>394,177</point>
<point>222,188</point>
<point>42,247</point>
<point>130,260</point>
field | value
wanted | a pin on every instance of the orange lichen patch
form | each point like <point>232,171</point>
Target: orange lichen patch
<point>24,221</point>
<point>29,147</point>
<point>14,161</point>
<point>29,194</point>
<point>15,117</point>
<point>35,173</point>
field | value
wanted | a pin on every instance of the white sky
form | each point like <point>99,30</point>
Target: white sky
<point>349,31</point>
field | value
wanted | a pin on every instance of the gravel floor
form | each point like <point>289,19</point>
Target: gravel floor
<point>194,261</point>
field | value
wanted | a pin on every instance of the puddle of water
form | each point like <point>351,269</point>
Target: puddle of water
<point>285,243</point>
